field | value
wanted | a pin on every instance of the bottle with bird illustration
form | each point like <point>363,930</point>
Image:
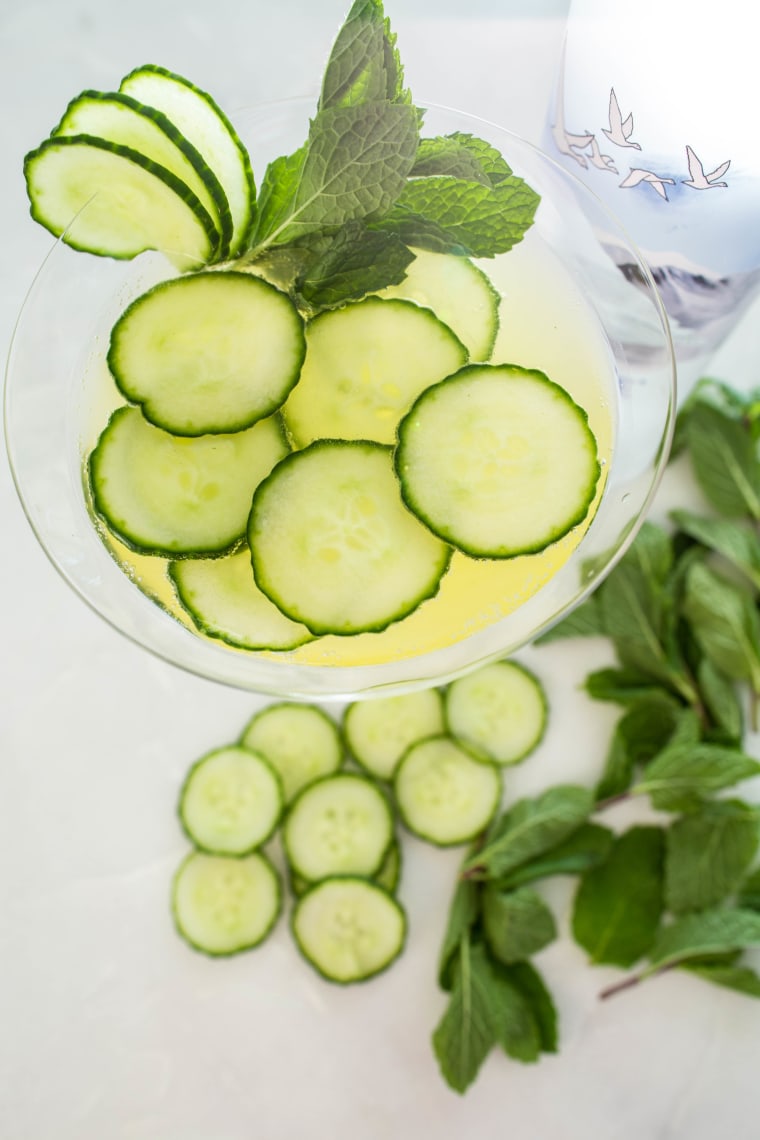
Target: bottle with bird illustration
<point>652,109</point>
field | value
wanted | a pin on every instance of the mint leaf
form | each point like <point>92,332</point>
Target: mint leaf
<point>356,261</point>
<point>637,615</point>
<point>721,700</point>
<point>516,923</point>
<point>531,985</point>
<point>464,911</point>
<point>724,461</point>
<point>725,623</point>
<point>731,538</point>
<point>742,979</point>
<point>683,774</point>
<point>460,155</point>
<point>619,904</point>
<point>638,736</point>
<point>584,621</point>
<point>515,1024</point>
<point>583,849</point>
<point>707,853</point>
<point>531,827</point>
<point>748,896</point>
<point>364,66</point>
<point>465,1034</point>
<point>355,163</point>
<point>622,686</point>
<point>718,931</point>
<point>454,215</point>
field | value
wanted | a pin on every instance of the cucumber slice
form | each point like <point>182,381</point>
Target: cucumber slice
<point>499,711</point>
<point>301,742</point>
<point>174,496</point>
<point>223,600</point>
<point>348,929</point>
<point>459,293</point>
<point>338,825</point>
<point>122,120</point>
<point>365,364</point>
<point>445,795</point>
<point>497,460</point>
<point>206,126</point>
<point>334,547</point>
<point>208,352</point>
<point>387,877</point>
<point>223,905</point>
<point>133,204</point>
<point>378,732</point>
<point>231,801</point>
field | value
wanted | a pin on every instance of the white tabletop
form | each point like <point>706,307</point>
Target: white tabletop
<point>110,1028</point>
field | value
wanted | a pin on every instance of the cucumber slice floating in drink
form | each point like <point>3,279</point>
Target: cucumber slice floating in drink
<point>177,496</point>
<point>208,352</point>
<point>364,366</point>
<point>333,545</point>
<point>497,460</point>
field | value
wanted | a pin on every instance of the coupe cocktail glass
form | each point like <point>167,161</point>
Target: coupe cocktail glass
<point>565,308</point>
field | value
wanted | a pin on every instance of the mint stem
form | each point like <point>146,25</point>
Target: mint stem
<point>626,984</point>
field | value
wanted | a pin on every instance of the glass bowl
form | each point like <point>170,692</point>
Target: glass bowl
<point>565,309</point>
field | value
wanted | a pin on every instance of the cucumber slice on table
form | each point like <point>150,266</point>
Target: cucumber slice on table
<point>223,905</point>
<point>338,825</point>
<point>348,929</point>
<point>120,119</point>
<point>231,801</point>
<point>365,364</point>
<point>208,352</point>
<point>446,795</point>
<point>333,545</point>
<point>301,742</point>
<point>497,460</point>
<point>206,126</point>
<point>499,711</point>
<point>378,732</point>
<point>168,495</point>
<point>224,602</point>
<point>459,293</point>
<point>387,876</point>
<point>132,204</point>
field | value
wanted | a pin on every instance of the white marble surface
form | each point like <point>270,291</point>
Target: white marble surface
<point>110,1029</point>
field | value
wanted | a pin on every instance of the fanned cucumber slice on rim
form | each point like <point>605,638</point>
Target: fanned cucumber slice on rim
<point>459,293</point>
<point>499,710</point>
<point>301,742</point>
<point>348,928</point>
<point>206,126</point>
<point>333,545</point>
<point>223,904</point>
<point>108,199</point>
<point>497,460</point>
<point>378,732</point>
<point>208,352</point>
<point>231,801</point>
<point>365,364</point>
<point>224,602</point>
<point>177,496</point>
<point>120,119</point>
<point>446,795</point>
<point>338,825</point>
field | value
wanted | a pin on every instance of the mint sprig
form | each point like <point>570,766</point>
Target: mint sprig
<point>342,215</point>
